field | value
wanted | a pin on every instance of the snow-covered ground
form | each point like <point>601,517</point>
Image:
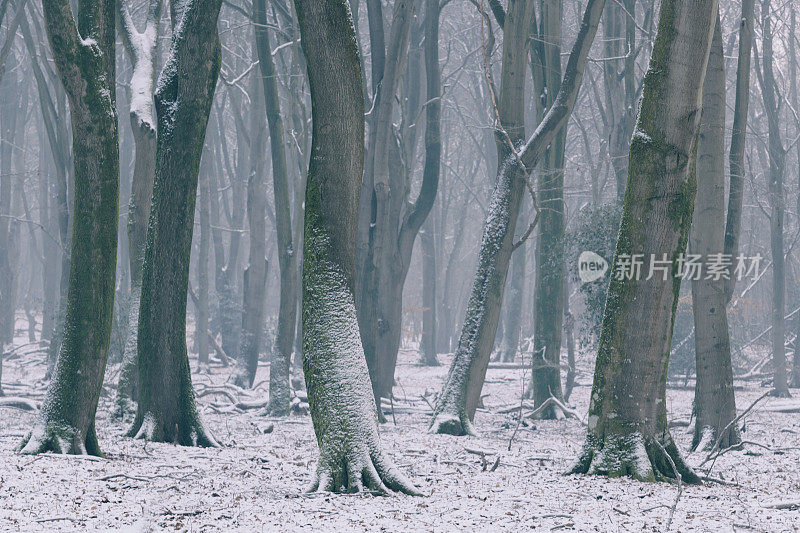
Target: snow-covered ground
<point>255,481</point>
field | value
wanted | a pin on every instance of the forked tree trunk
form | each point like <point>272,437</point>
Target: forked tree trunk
<point>185,90</point>
<point>628,433</point>
<point>714,402</point>
<point>142,48</point>
<point>84,56</point>
<point>456,404</point>
<point>340,397</point>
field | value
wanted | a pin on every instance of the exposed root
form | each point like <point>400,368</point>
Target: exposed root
<point>633,455</point>
<point>57,438</point>
<point>451,424</point>
<point>189,433</point>
<point>372,472</point>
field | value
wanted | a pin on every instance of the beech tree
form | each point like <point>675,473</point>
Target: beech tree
<point>184,93</point>
<point>342,407</point>
<point>628,434</point>
<point>456,404</point>
<point>714,402</point>
<point>83,51</point>
<point>142,47</point>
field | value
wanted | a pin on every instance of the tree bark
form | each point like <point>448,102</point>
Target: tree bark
<point>183,98</point>
<point>550,277</point>
<point>458,400</point>
<point>142,48</point>
<point>628,433</point>
<point>733,223</point>
<point>342,407</point>
<point>85,58</point>
<point>714,402</point>
<point>777,167</point>
<point>255,275</point>
<point>279,385</point>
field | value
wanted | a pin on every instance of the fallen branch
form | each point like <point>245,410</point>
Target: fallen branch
<point>783,505</point>
<point>16,402</point>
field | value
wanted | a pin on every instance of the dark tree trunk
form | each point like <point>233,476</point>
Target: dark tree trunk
<point>342,407</point>
<point>141,47</point>
<point>549,288</point>
<point>733,223</point>
<point>65,423</point>
<point>628,434</point>
<point>458,400</point>
<point>166,410</point>
<point>714,402</point>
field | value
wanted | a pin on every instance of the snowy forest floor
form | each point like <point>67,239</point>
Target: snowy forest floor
<point>255,481</point>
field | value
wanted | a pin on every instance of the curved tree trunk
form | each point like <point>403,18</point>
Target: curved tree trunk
<point>166,410</point>
<point>714,402</point>
<point>339,393</point>
<point>84,56</point>
<point>458,400</point>
<point>628,433</point>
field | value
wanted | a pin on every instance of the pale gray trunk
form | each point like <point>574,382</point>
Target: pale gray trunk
<point>714,402</point>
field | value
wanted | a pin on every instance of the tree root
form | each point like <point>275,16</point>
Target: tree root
<point>445,423</point>
<point>633,455</point>
<point>360,472</point>
<point>47,436</point>
<point>189,433</point>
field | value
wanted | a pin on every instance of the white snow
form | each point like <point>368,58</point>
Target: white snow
<point>255,481</point>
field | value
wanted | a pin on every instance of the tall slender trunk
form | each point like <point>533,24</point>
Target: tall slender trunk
<point>458,400</point>
<point>279,386</point>
<point>714,402</point>
<point>201,308</point>
<point>795,377</point>
<point>183,98</point>
<point>777,203</point>
<point>84,55</point>
<point>142,47</point>
<point>733,222</point>
<point>628,434</point>
<point>550,277</point>
<point>337,378</point>
<point>255,275</point>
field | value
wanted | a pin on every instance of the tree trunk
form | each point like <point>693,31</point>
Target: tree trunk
<point>381,269</point>
<point>65,423</point>
<point>142,48</point>
<point>550,277</point>
<point>166,410</point>
<point>201,307</point>
<point>628,433</point>
<point>795,377</point>
<point>777,166</point>
<point>255,275</point>
<point>428,355</point>
<point>513,307</point>
<point>280,360</point>
<point>341,402</point>
<point>714,402</point>
<point>733,223</point>
<point>458,400</point>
